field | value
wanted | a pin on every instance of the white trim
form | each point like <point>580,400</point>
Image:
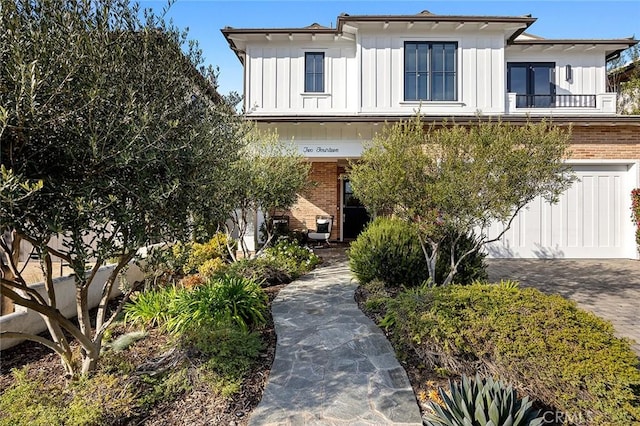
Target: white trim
<point>458,41</point>
<point>438,103</point>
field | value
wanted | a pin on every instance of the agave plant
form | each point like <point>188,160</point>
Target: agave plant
<point>482,402</point>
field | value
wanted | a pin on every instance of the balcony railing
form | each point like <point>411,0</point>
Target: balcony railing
<point>555,101</point>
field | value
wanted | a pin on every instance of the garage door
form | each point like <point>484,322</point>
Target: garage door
<point>591,220</point>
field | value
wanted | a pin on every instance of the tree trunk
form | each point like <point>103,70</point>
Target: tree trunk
<point>90,357</point>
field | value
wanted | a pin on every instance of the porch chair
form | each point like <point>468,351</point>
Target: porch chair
<point>322,231</point>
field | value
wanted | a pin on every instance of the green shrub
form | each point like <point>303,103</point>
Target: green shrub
<point>151,307</point>
<point>288,256</point>
<point>212,267</point>
<point>389,250</point>
<point>564,356</point>
<point>224,301</point>
<point>88,401</point>
<point>482,402</point>
<point>199,253</point>
<point>472,268</point>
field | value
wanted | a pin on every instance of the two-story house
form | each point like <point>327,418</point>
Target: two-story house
<point>330,89</point>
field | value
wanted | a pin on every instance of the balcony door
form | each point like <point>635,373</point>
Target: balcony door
<point>533,83</point>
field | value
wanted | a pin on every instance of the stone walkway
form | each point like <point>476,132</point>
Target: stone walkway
<point>610,288</point>
<point>333,365</point>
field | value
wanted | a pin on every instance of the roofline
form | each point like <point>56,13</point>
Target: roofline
<point>379,18</point>
<point>527,20</point>
<point>435,18</point>
<point>629,42</point>
<point>582,121</point>
<point>230,30</point>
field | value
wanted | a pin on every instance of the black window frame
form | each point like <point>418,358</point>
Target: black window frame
<point>310,76</point>
<point>530,99</point>
<point>430,95</point>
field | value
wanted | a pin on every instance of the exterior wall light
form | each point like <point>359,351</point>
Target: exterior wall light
<point>568,72</point>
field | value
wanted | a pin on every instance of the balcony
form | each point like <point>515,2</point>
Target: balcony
<point>603,103</point>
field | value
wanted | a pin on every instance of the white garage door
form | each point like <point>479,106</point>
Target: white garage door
<point>591,220</point>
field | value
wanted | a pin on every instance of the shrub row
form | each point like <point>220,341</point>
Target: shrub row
<point>559,354</point>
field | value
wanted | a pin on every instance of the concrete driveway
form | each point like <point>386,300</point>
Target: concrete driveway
<point>610,288</point>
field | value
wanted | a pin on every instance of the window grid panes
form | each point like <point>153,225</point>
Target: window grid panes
<point>314,72</point>
<point>430,71</point>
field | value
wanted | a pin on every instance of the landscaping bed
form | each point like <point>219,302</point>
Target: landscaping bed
<point>566,359</point>
<point>190,349</point>
<point>197,406</point>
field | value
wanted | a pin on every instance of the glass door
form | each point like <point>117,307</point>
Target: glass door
<point>354,214</point>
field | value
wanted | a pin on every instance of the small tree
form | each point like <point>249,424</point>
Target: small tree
<point>624,77</point>
<point>110,131</point>
<point>456,179</point>
<point>268,176</point>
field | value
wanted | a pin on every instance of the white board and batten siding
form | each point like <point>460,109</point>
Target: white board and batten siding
<point>480,80</point>
<point>275,80</point>
<point>591,220</point>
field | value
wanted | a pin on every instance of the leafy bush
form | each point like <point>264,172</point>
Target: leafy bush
<point>280,264</point>
<point>564,356</point>
<point>291,257</point>
<point>389,250</point>
<point>151,307</point>
<point>199,253</point>
<point>225,301</point>
<point>212,267</point>
<point>482,402</point>
<point>471,268</point>
<point>163,264</point>
<point>88,401</point>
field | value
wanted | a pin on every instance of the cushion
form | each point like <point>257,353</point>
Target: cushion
<point>322,227</point>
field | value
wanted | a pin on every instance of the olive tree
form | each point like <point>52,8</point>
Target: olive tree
<point>110,130</point>
<point>267,176</point>
<point>451,180</point>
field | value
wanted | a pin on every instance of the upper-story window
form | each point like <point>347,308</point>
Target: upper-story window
<point>430,71</point>
<point>314,72</point>
<point>533,83</point>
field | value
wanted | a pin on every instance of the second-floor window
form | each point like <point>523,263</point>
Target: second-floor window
<point>314,72</point>
<point>430,71</point>
<point>533,83</point>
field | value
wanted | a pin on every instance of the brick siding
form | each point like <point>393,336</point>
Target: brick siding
<point>321,199</point>
<point>605,142</point>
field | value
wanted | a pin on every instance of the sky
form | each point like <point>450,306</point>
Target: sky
<point>556,19</point>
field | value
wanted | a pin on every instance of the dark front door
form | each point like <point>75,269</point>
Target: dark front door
<point>354,215</point>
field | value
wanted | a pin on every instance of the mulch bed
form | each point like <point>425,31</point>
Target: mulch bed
<point>197,407</point>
